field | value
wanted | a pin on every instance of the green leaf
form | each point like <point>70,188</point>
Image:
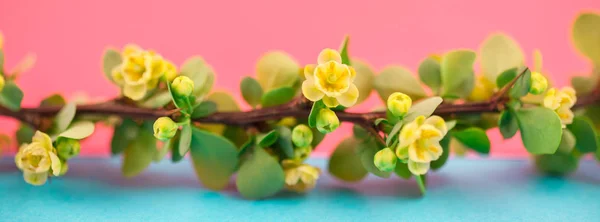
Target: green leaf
<point>1,62</point>
<point>139,154</point>
<point>359,132</point>
<point>424,107</point>
<point>64,117</point>
<point>246,146</point>
<point>164,150</point>
<point>185,140</point>
<point>586,32</point>
<point>474,138</point>
<point>344,51</point>
<point>79,130</point>
<point>214,157</point>
<point>268,139</point>
<point>175,155</point>
<point>402,170</point>
<point>567,142</point>
<point>458,79</point>
<point>393,133</point>
<point>314,113</point>
<point>557,164</point>
<point>278,96</point>
<point>367,150</point>
<point>54,100</point>
<point>236,134</point>
<point>276,69</point>
<point>585,134</point>
<point>251,91</point>
<point>507,123</point>
<point>398,79</point>
<point>158,100</point>
<point>317,137</point>
<point>364,80</point>
<point>521,87</point>
<point>111,59</point>
<point>541,130</point>
<point>284,141</point>
<point>201,73</point>
<point>583,85</point>
<point>345,162</point>
<point>421,182</point>
<point>506,76</point>
<point>205,108</point>
<point>498,53</point>
<point>431,74</point>
<point>260,176</point>
<point>11,96</point>
<point>123,135</point>
<point>24,134</point>
<point>445,143</point>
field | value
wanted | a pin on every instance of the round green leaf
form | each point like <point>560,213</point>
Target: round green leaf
<point>458,78</point>
<point>498,53</point>
<point>185,139</point>
<point>79,130</point>
<point>345,163</point>
<point>158,100</point>
<point>251,91</point>
<point>53,100</point>
<point>367,150</point>
<point>260,176</point>
<point>522,85</point>
<point>557,164</point>
<point>585,134</point>
<point>474,138</point>
<point>225,103</point>
<point>278,96</point>
<point>11,96</point>
<point>364,79</point>
<point>398,79</point>
<point>139,154</point>
<point>541,130</point>
<point>445,143</point>
<point>24,134</point>
<point>424,107</point>
<point>214,158</point>
<point>567,142</point>
<point>201,73</point>
<point>583,85</point>
<point>268,139</point>
<point>402,170</point>
<point>507,123</point>
<point>204,109</point>
<point>123,135</point>
<point>64,117</point>
<point>586,35</point>
<point>276,69</point>
<point>110,60</point>
<point>431,74</point>
<point>506,77</point>
<point>284,141</point>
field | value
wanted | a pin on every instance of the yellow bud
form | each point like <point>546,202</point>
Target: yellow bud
<point>539,83</point>
<point>287,122</point>
<point>183,86</point>
<point>483,90</point>
<point>399,104</point>
<point>165,128</point>
<point>1,83</point>
<point>327,121</point>
<point>301,153</point>
<point>385,160</point>
<point>302,136</point>
<point>67,148</point>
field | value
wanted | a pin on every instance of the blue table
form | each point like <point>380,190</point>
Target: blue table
<point>464,190</point>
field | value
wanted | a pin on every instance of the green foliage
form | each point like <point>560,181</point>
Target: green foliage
<point>541,130</point>
<point>164,150</point>
<point>24,134</point>
<point>445,143</point>
<point>421,181</point>
<point>567,142</point>
<point>586,32</point>
<point>585,134</point>
<point>275,70</point>
<point>284,141</point>
<point>11,96</point>
<point>344,51</point>
<point>522,85</point>
<point>402,170</point>
<point>53,100</point>
<point>251,91</point>
<point>474,138</point>
<point>507,123</point>
<point>1,62</point>
<point>498,53</point>
<point>506,77</point>
<point>398,79</point>
<point>123,135</point>
<point>111,59</point>
<point>78,130</point>
<point>367,150</point>
<point>458,78</point>
<point>393,133</point>
<point>345,162</point>
<point>314,113</point>
<point>364,80</point>
<point>424,107</point>
<point>185,139</point>
<point>260,176</point>
<point>201,73</point>
<point>267,139</point>
<point>430,73</point>
<point>205,108</point>
<point>64,117</point>
<point>556,164</point>
<point>583,85</point>
<point>180,102</point>
<point>157,100</point>
<point>214,157</point>
<point>139,153</point>
<point>278,96</point>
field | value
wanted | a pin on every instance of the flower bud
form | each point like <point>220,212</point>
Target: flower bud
<point>385,160</point>
<point>301,153</point>
<point>399,104</point>
<point>302,135</point>
<point>1,83</point>
<point>182,86</point>
<point>165,128</point>
<point>327,121</point>
<point>539,83</point>
<point>67,147</point>
<point>287,122</point>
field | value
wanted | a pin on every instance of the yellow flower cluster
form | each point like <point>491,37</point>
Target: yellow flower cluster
<point>561,102</point>
<point>141,71</point>
<point>38,159</point>
<point>300,177</point>
<point>330,80</point>
<point>420,143</point>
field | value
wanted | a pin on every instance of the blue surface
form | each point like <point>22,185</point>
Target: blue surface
<point>464,190</point>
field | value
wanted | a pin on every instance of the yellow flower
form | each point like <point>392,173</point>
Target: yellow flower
<point>385,160</point>
<point>1,83</point>
<point>302,135</point>
<point>561,102</point>
<point>399,104</point>
<point>139,72</point>
<point>539,83</point>
<point>483,90</point>
<point>300,177</point>
<point>420,142</point>
<point>170,70</point>
<point>37,159</point>
<point>165,128</point>
<point>330,80</point>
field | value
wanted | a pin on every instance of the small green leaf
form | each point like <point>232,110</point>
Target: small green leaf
<point>344,51</point>
<point>78,130</point>
<point>540,128</point>
<point>175,155</point>
<point>474,138</point>
<point>54,100</point>
<point>205,108</point>
<point>24,134</point>
<point>567,142</point>
<point>214,157</point>
<point>11,96</point>
<point>268,139</point>
<point>345,163</point>
<point>251,91</point>
<point>585,134</point>
<point>431,74</point>
<point>64,117</point>
<point>421,182</point>
<point>164,150</point>
<point>458,78</point>
<point>367,150</point>
<point>276,69</point>
<point>557,164</point>
<point>314,113</point>
<point>359,132</point>
<point>364,80</point>
<point>278,96</point>
<point>445,143</point>
<point>111,59</point>
<point>201,73</point>
<point>317,137</point>
<point>521,87</point>
<point>586,32</point>
<point>236,134</point>
<point>583,85</point>
<point>123,135</point>
<point>284,141</point>
<point>402,170</point>
<point>246,146</point>
<point>398,79</point>
<point>393,133</point>
<point>158,100</point>
<point>139,154</point>
<point>185,140</point>
<point>424,107</point>
<point>506,76</point>
<point>507,123</point>
<point>498,53</point>
<point>260,176</point>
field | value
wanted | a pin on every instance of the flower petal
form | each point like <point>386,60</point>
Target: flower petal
<point>438,123</point>
<point>349,98</point>
<point>409,134</point>
<point>429,132</point>
<point>435,150</point>
<point>330,101</point>
<point>352,73</point>
<point>418,153</point>
<point>566,115</point>
<point>135,92</point>
<point>418,168</point>
<point>56,164</point>
<point>550,99</point>
<point>310,91</point>
<point>309,72</point>
<point>402,152</point>
<point>19,155</point>
<point>43,139</point>
<point>327,55</point>
<point>292,176</point>
<point>36,179</point>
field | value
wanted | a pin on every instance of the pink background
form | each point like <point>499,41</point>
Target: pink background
<point>69,36</point>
